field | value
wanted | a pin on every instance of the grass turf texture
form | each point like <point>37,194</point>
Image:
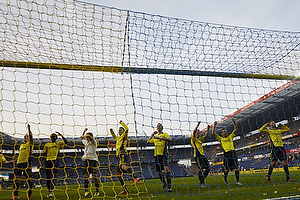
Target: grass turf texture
<point>255,186</point>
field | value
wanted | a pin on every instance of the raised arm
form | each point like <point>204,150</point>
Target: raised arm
<point>84,131</point>
<point>29,132</point>
<point>235,126</point>
<point>263,128</point>
<point>195,129</point>
<point>62,137</point>
<point>207,132</point>
<point>284,128</point>
<point>113,133</point>
<point>214,129</point>
<point>124,126</point>
<point>125,133</point>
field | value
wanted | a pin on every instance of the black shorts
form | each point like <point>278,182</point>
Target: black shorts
<point>24,169</point>
<point>90,166</point>
<point>160,162</point>
<point>124,159</point>
<point>202,161</point>
<point>230,160</point>
<point>51,168</point>
<point>278,153</point>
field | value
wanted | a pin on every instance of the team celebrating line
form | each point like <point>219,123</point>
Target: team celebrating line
<point>160,140</point>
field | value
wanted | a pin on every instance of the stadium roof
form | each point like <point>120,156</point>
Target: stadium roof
<point>280,104</point>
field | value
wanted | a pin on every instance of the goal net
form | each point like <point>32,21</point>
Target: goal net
<point>71,65</point>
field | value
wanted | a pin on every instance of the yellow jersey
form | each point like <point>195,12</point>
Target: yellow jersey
<point>25,152</point>
<point>197,145</point>
<point>275,134</point>
<point>122,140</point>
<point>160,145</point>
<point>2,158</point>
<point>227,142</point>
<point>51,149</point>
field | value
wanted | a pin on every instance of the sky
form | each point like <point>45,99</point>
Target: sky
<point>68,101</point>
<point>263,14</point>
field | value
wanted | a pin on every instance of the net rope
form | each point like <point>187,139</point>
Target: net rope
<point>71,65</point>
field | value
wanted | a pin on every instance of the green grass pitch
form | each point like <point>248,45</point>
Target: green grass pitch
<point>255,186</point>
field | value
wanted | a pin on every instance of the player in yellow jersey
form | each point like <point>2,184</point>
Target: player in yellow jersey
<point>121,152</point>
<point>277,147</point>
<point>3,159</point>
<point>160,140</point>
<point>24,164</point>
<point>51,150</point>
<point>230,161</point>
<point>201,160</point>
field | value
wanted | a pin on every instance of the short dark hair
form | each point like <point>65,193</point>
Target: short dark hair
<point>89,133</point>
<point>161,126</point>
<point>122,128</point>
<point>53,137</point>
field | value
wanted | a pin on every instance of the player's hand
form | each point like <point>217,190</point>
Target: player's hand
<point>58,133</point>
<point>233,120</point>
<point>85,130</point>
<point>155,132</point>
<point>199,122</point>
<point>268,124</point>
<point>111,130</point>
<point>28,126</point>
<point>120,121</point>
<point>215,123</point>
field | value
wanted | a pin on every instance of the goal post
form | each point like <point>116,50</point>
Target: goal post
<point>141,70</point>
